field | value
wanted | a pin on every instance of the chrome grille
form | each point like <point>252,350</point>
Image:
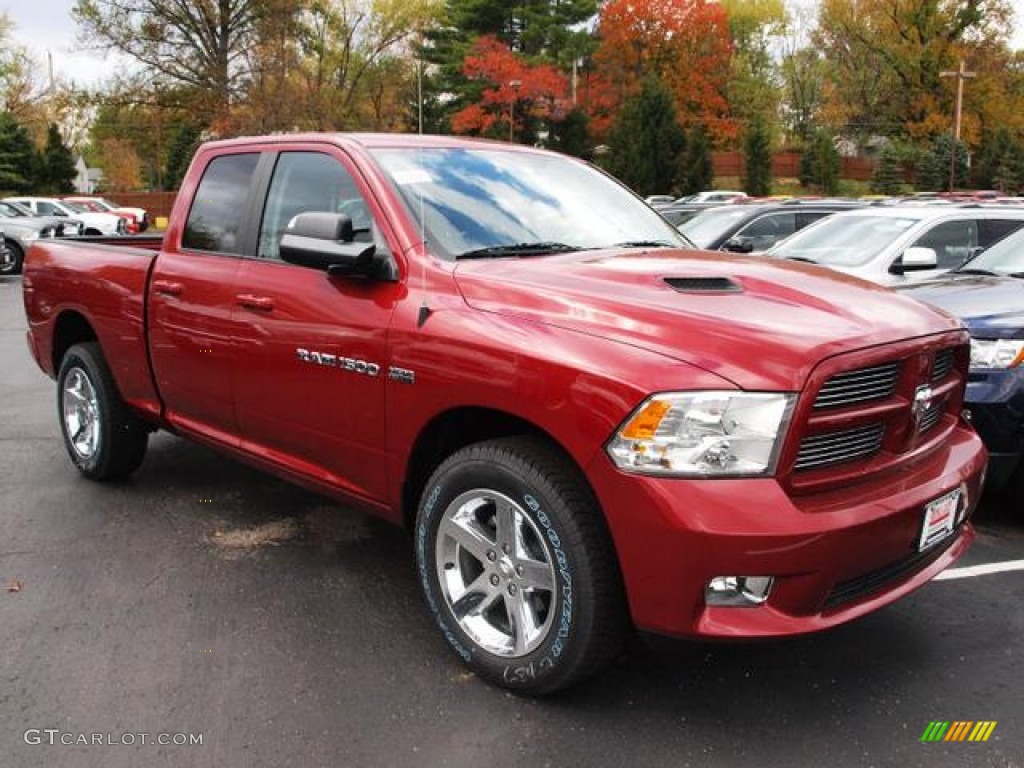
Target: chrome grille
<point>943,364</point>
<point>831,448</point>
<point>862,385</point>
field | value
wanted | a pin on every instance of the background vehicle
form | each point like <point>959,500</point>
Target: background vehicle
<point>988,295</point>
<point>753,227</point>
<point>585,426</point>
<point>903,243</point>
<point>139,217</point>
<point>714,196</point>
<point>95,223</point>
<point>22,230</point>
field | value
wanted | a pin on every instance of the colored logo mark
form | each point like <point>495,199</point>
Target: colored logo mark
<point>958,730</point>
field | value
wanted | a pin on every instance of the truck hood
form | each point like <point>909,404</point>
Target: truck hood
<point>987,305</point>
<point>760,323</point>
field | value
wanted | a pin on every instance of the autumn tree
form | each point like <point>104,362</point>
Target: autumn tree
<point>887,58</point>
<point>646,145</point>
<point>755,28</point>
<point>514,94</point>
<point>122,170</point>
<point>684,43</point>
<point>757,156</point>
<point>196,43</point>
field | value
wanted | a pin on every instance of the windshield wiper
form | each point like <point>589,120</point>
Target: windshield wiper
<point>975,271</point>
<point>800,258</point>
<point>1018,275</point>
<point>646,244</point>
<point>517,249</point>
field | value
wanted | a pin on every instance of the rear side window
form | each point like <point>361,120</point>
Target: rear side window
<point>216,215</point>
<point>991,231</point>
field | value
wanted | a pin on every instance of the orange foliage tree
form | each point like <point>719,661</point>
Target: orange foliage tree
<point>685,43</point>
<point>511,88</point>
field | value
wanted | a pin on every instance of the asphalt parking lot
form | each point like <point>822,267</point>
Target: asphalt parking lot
<point>204,598</point>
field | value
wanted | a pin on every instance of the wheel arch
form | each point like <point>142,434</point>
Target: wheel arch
<point>454,429</point>
<point>70,328</point>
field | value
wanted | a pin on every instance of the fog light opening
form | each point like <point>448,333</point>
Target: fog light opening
<point>738,591</point>
<point>965,504</point>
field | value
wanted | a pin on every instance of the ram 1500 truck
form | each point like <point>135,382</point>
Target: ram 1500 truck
<point>586,427</point>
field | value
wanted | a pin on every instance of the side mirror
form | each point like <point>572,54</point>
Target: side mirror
<point>326,241</point>
<point>915,259</point>
<point>738,245</point>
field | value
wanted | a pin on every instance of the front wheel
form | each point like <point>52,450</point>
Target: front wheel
<point>518,567</point>
<point>104,439</point>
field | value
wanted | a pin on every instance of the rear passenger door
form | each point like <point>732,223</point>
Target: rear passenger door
<point>192,298</point>
<point>312,362</point>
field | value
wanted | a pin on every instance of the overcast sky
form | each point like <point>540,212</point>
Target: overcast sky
<point>46,26</point>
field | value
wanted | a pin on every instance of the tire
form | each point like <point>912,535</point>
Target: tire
<point>104,439</point>
<point>534,612</point>
<point>14,266</point>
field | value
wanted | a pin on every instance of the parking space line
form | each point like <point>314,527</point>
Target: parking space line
<point>981,570</point>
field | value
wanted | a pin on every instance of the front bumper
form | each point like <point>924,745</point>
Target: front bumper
<point>996,401</point>
<point>835,555</point>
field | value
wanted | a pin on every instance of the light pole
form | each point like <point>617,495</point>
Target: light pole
<point>514,85</point>
<point>960,74</point>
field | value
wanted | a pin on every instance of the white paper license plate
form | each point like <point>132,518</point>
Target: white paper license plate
<point>939,519</point>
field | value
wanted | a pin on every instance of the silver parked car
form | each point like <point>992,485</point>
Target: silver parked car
<point>22,229</point>
<point>901,244</point>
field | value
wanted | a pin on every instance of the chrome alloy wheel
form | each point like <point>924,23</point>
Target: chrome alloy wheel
<point>81,413</point>
<point>496,572</point>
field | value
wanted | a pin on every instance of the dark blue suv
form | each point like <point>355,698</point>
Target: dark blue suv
<point>987,293</point>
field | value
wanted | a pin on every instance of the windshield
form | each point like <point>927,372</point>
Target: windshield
<point>76,207</point>
<point>13,210</point>
<point>1004,258</point>
<point>843,241</point>
<point>708,226</point>
<point>487,200</point>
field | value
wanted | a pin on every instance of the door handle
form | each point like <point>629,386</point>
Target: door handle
<point>167,287</point>
<point>257,303</point>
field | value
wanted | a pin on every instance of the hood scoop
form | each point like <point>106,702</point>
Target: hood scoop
<point>704,284</point>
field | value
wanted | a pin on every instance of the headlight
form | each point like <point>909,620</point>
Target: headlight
<point>997,353</point>
<point>702,434</point>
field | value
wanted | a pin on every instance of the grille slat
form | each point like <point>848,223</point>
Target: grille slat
<point>839,447</point>
<point>862,385</point>
<point>931,417</point>
<point>943,364</point>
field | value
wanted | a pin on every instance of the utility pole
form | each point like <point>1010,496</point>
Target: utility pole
<point>960,74</point>
<point>514,85</point>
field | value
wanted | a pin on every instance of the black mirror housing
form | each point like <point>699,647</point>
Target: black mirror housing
<point>326,241</point>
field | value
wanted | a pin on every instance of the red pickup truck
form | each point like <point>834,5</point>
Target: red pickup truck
<point>586,427</point>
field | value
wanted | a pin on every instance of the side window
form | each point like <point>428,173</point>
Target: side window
<point>952,241</point>
<point>991,231</point>
<point>48,209</point>
<point>216,215</point>
<point>310,181</point>
<point>768,230</point>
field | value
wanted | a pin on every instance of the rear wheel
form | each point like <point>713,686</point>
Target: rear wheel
<point>17,259</point>
<point>518,567</point>
<point>104,439</point>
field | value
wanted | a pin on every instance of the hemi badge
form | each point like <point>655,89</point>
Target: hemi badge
<point>403,375</point>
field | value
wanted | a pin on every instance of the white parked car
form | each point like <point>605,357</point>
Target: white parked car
<point>95,223</point>
<point>900,244</point>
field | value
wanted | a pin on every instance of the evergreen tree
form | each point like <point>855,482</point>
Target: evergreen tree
<point>646,144</point>
<point>934,170</point>
<point>55,174</point>
<point>996,162</point>
<point>887,178</point>
<point>184,142</point>
<point>826,163</point>
<point>757,153</point>
<point>17,156</point>
<point>571,135</point>
<point>699,171</point>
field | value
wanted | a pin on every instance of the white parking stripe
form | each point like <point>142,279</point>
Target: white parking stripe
<point>981,570</point>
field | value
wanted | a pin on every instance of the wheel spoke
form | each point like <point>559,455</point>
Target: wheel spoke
<point>536,575</point>
<point>477,599</point>
<point>469,535</point>
<point>507,521</point>
<point>522,620</point>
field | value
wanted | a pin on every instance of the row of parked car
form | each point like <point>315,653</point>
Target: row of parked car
<point>966,257</point>
<point>23,220</point>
